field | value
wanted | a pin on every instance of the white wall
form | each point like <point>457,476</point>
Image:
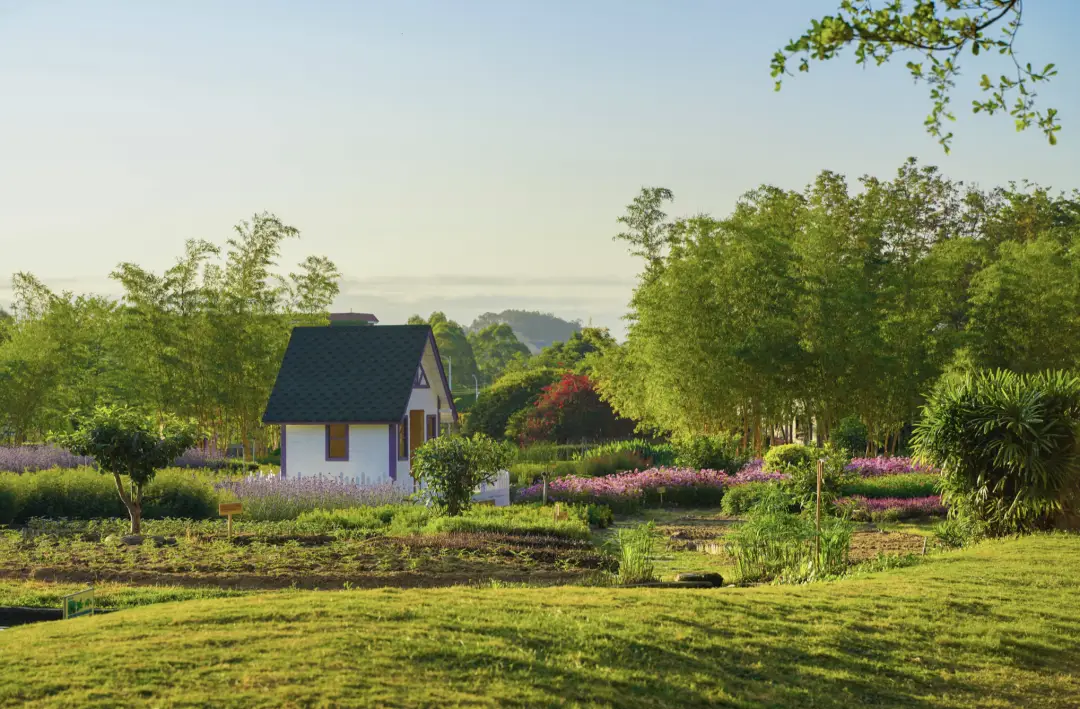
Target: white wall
<point>420,399</point>
<point>305,451</point>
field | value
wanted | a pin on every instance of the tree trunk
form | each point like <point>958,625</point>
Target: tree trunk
<point>132,502</point>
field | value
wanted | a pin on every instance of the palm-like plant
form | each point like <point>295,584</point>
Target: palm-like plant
<point>1008,446</point>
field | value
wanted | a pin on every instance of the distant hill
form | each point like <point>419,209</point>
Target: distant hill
<point>537,330</point>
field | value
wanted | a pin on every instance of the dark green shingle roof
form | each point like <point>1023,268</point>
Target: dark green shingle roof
<point>347,374</point>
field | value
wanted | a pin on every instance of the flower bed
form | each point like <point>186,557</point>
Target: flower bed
<point>627,491</point>
<point>886,509</point>
<point>268,497</point>
<point>874,467</point>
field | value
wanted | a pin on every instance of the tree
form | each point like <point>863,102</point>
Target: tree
<point>536,329</point>
<point>571,410</point>
<point>125,443</point>
<point>451,467</point>
<point>577,353</point>
<point>513,392</point>
<point>494,347</point>
<point>940,31</point>
<point>455,351</point>
<point>647,229</point>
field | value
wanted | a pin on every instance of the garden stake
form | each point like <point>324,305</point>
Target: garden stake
<point>817,513</point>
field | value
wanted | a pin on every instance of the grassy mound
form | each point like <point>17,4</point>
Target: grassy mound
<point>993,626</point>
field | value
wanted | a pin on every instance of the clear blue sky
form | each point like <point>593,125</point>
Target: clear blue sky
<point>463,156</point>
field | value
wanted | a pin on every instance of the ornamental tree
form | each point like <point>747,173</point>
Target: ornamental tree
<point>451,467</point>
<point>571,410</point>
<point>126,443</point>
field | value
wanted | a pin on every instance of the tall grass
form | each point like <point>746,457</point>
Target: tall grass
<point>635,547</point>
<point>775,544</point>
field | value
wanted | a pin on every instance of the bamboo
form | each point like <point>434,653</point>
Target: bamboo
<point>817,513</point>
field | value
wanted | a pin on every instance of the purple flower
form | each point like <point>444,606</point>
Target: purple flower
<point>876,467</point>
<point>27,459</point>
<point>929,506</point>
<point>269,497</point>
<point>622,487</point>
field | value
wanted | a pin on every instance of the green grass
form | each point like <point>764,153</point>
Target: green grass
<point>993,626</point>
<point>38,594</point>
<point>905,485</point>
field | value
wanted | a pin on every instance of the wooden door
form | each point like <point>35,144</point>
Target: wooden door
<point>416,430</point>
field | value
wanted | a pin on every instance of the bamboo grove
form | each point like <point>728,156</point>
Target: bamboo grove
<point>832,302</point>
<point>203,340</point>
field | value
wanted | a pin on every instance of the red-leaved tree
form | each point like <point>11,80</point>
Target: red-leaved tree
<point>571,410</point>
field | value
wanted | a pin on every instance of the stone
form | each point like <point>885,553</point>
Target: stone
<point>714,580</point>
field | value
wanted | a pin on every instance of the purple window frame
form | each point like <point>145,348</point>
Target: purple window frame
<point>432,426</point>
<point>403,439</point>
<point>420,379</point>
<point>346,441</point>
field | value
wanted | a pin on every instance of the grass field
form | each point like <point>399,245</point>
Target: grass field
<point>993,626</point>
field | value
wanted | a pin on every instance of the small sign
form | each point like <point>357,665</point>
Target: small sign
<point>230,508</point>
<point>81,603</point>
<point>661,490</point>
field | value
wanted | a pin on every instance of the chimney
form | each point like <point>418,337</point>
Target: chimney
<point>352,319</point>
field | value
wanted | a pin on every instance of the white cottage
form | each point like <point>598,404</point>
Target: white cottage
<point>355,402</point>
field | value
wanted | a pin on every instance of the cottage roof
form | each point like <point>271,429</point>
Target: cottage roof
<point>347,374</point>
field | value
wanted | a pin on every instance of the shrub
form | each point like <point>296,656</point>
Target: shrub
<point>779,459</point>
<point>850,435</point>
<point>85,493</point>
<point>1008,446</point>
<point>956,533</point>
<point>544,452</point>
<point>513,392</point>
<point>718,452</point>
<point>451,467</point>
<point>599,515</point>
<point>658,454</point>
<point>739,499</point>
<point>25,459</point>
<point>801,483</point>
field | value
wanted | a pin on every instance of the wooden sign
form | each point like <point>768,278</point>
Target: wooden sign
<point>560,513</point>
<point>229,509</point>
<point>81,603</point>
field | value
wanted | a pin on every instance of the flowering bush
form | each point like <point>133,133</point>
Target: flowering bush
<point>873,467</point>
<point>569,410</point>
<point>268,497</point>
<point>886,509</point>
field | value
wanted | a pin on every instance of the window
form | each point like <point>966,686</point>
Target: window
<point>420,380</point>
<point>337,441</point>
<point>432,426</point>
<point>403,439</point>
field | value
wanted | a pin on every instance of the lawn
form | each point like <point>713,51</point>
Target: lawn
<point>997,625</point>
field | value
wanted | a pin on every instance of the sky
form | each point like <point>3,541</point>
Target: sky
<point>464,156</point>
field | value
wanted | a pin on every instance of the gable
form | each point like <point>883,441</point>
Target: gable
<point>347,374</point>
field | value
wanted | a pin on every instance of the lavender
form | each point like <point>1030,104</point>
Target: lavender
<point>28,459</point>
<point>269,497</point>
<point>876,467</point>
